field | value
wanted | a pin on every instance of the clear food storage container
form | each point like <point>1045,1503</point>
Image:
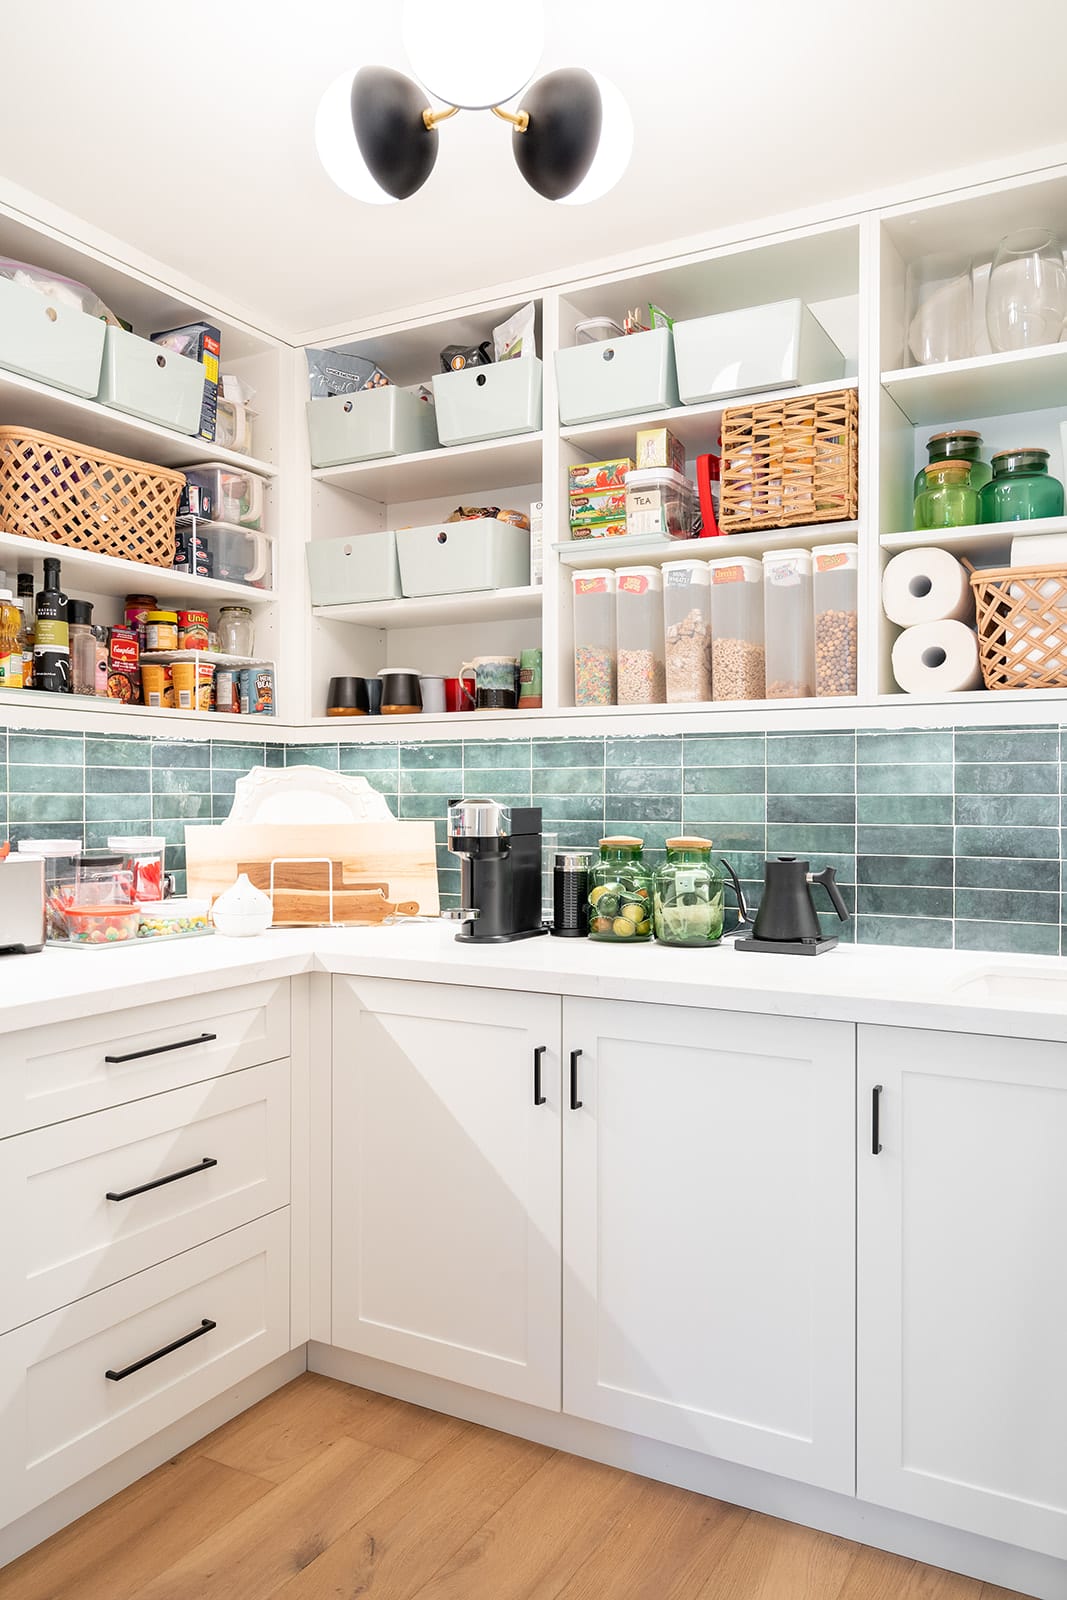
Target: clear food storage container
<point>639,630</point>
<point>142,857</point>
<point>60,875</point>
<point>659,501</point>
<point>102,924</point>
<point>738,660</point>
<point>230,494</point>
<point>687,631</point>
<point>789,623</point>
<point>594,638</point>
<point>836,579</point>
<point>102,878</point>
<point>166,919</point>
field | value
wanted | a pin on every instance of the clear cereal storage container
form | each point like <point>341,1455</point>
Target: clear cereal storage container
<point>738,661</point>
<point>789,623</point>
<point>835,618</point>
<point>639,625</point>
<point>687,631</point>
<point>594,638</point>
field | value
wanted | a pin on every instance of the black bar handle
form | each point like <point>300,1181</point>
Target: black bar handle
<point>539,1098</point>
<point>157,1355</point>
<point>576,1104</point>
<point>157,1183</point>
<point>160,1049</point>
<point>876,1106</point>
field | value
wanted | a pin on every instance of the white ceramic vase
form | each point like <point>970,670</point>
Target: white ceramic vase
<point>242,911</point>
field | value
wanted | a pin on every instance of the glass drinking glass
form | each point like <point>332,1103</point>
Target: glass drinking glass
<point>940,309</point>
<point>1026,303</point>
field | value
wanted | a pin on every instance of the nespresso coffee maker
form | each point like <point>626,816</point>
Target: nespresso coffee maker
<point>499,848</point>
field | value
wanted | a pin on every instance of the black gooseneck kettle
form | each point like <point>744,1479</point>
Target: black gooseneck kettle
<point>786,921</point>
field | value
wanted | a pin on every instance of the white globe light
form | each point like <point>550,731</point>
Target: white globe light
<point>474,53</point>
<point>614,150</point>
<point>336,144</point>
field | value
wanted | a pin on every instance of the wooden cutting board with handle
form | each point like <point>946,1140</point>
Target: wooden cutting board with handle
<point>302,894</point>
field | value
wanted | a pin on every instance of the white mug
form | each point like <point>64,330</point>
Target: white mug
<point>433,693</point>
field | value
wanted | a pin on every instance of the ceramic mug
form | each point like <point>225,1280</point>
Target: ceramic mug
<point>433,694</point>
<point>495,686</point>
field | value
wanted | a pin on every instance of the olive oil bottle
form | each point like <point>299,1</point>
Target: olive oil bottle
<point>51,637</point>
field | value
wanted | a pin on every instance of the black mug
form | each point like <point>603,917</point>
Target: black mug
<point>347,697</point>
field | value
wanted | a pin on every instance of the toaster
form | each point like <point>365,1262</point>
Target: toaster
<point>21,905</point>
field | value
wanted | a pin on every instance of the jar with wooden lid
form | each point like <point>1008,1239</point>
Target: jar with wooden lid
<point>620,893</point>
<point>688,895</point>
<point>1021,488</point>
<point>956,444</point>
<point>948,498</point>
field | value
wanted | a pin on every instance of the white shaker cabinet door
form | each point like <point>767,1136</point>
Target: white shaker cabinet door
<point>709,1232</point>
<point>446,1187</point>
<point>962,1379</point>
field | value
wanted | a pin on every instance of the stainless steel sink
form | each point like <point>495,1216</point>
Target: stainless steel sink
<point>1019,985</point>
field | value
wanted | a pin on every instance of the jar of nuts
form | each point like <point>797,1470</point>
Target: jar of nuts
<point>835,579</point>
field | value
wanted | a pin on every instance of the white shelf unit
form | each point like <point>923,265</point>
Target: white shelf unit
<point>441,610</point>
<point>109,576</point>
<point>621,552</point>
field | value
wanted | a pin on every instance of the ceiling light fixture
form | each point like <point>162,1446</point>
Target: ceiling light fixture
<point>377,138</point>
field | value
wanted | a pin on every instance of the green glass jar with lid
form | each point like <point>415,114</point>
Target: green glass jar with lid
<point>1021,488</point>
<point>688,895</point>
<point>956,444</point>
<point>947,499</point>
<point>620,893</point>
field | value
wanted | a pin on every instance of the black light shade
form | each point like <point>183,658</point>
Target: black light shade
<point>566,119</point>
<point>398,148</point>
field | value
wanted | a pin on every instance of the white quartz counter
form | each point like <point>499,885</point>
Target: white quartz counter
<point>973,993</point>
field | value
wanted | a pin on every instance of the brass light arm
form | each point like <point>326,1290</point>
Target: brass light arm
<point>432,118</point>
<point>520,120</point>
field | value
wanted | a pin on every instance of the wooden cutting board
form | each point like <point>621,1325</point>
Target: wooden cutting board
<point>401,855</point>
<point>302,894</point>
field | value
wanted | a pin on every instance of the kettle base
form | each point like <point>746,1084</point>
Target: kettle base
<point>787,947</point>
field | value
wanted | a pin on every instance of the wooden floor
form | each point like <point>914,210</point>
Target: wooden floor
<point>324,1492</point>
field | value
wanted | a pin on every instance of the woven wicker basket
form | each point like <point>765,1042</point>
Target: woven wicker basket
<point>64,493</point>
<point>1022,626</point>
<point>790,462</point>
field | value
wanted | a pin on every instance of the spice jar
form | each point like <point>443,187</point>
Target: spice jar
<point>639,628</point>
<point>161,630</point>
<point>956,444</point>
<point>688,895</point>
<point>594,638</point>
<point>687,631</point>
<point>82,647</point>
<point>236,631</point>
<point>789,623</point>
<point>620,893</point>
<point>738,659</point>
<point>948,499</point>
<point>835,580</point>
<point>1021,488</point>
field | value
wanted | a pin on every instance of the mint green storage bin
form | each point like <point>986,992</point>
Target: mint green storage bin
<point>351,570</point>
<point>372,423</point>
<point>461,557</point>
<point>489,402</point>
<point>617,377</point>
<point>146,381</point>
<point>53,343</point>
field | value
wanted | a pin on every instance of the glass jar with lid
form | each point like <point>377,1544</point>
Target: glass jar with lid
<point>1021,488</point>
<point>948,499</point>
<point>620,893</point>
<point>956,444</point>
<point>237,634</point>
<point>688,895</point>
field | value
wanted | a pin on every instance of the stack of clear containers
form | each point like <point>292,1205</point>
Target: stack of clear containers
<point>738,660</point>
<point>789,623</point>
<point>594,638</point>
<point>835,579</point>
<point>687,631</point>
<point>639,625</point>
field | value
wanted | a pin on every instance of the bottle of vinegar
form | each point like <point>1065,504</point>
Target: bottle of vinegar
<point>51,638</point>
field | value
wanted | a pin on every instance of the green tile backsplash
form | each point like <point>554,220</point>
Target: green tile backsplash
<point>949,840</point>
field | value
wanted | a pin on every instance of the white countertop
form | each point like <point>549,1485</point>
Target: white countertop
<point>1024,996</point>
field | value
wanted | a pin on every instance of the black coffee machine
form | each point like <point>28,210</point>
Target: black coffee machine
<point>787,923</point>
<point>499,848</point>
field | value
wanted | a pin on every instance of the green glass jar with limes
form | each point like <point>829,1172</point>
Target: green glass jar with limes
<point>620,894</point>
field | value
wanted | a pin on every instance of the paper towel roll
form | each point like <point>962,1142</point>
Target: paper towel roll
<point>926,586</point>
<point>937,658</point>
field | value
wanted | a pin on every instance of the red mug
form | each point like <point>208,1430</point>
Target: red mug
<point>459,694</point>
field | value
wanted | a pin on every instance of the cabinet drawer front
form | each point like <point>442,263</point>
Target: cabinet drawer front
<point>64,1416</point>
<point>63,1070</point>
<point>204,1159</point>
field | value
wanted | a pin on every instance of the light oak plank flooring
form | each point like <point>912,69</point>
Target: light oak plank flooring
<point>324,1492</point>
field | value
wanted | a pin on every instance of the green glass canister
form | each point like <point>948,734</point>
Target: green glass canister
<point>956,444</point>
<point>687,895</point>
<point>620,894</point>
<point>1021,488</point>
<point>948,499</point>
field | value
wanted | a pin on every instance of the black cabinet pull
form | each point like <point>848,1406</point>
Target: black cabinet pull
<point>160,1049</point>
<point>539,1098</point>
<point>576,1104</point>
<point>876,1105</point>
<point>157,1355</point>
<point>157,1183</point>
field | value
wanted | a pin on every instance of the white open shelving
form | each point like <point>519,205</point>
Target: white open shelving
<point>982,386</point>
<point>83,569</point>
<point>450,470</point>
<point>441,610</point>
<point>976,541</point>
<point>620,552</point>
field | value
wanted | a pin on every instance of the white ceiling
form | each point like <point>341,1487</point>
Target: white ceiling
<point>187,131</point>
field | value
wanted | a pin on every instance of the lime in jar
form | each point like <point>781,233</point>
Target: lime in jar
<point>688,895</point>
<point>620,894</point>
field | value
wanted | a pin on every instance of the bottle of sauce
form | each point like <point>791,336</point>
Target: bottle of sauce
<point>10,650</point>
<point>26,631</point>
<point>51,638</point>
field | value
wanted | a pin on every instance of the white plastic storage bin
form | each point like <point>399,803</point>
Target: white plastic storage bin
<point>458,557</point>
<point>775,346</point>
<point>616,377</point>
<point>594,638</point>
<point>836,578</point>
<point>738,659</point>
<point>347,571</point>
<point>687,631</point>
<point>789,624</point>
<point>489,402</point>
<point>372,423</point>
<point>146,381</point>
<point>639,630</point>
<point>53,343</point>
